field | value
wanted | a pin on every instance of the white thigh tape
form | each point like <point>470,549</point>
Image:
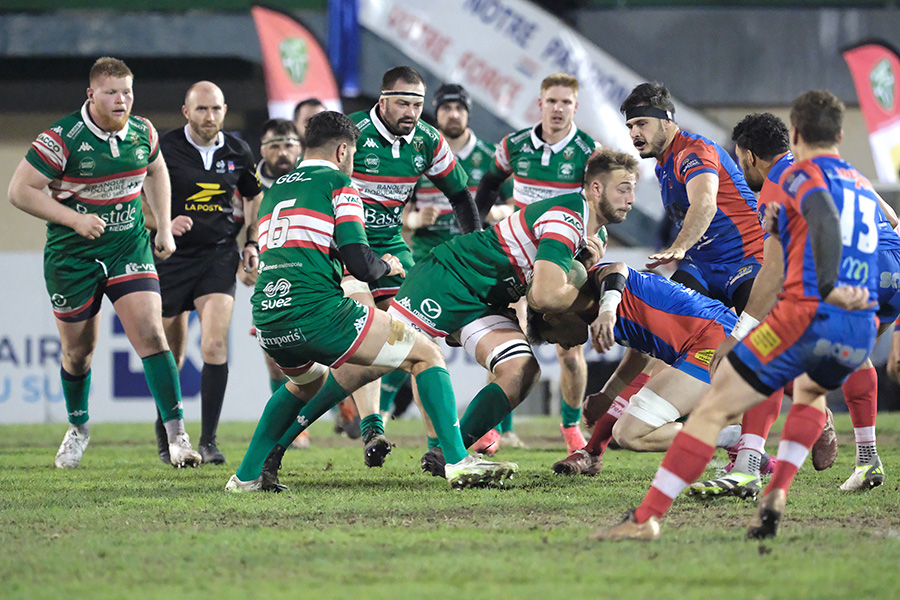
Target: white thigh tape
<point>354,286</point>
<point>471,334</point>
<point>397,347</point>
<point>507,351</point>
<point>651,408</point>
<point>310,375</point>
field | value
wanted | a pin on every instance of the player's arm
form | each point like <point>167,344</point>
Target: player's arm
<point>763,295</point>
<point>607,284</point>
<point>888,211</point>
<point>701,191</point>
<point>26,192</point>
<point>158,192</point>
<point>250,253</point>
<point>631,365</point>
<point>489,191</point>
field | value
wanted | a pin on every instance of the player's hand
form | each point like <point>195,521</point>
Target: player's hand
<point>720,353</point>
<point>850,297</point>
<point>396,266</point>
<point>595,406</point>
<point>665,257</point>
<point>602,338</point>
<point>594,251</point>
<point>164,245</point>
<point>247,278</point>
<point>89,226</point>
<point>181,224</point>
<point>250,262</point>
<point>428,215</point>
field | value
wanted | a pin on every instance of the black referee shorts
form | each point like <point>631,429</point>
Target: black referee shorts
<point>184,277</point>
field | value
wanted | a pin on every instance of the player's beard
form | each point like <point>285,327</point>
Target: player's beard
<point>609,213</point>
<point>655,146</point>
<point>454,130</point>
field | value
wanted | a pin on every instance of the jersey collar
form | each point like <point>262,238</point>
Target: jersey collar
<point>317,162</point>
<point>103,135</point>
<point>383,130</point>
<point>206,152</point>
<point>558,146</point>
<point>466,150</point>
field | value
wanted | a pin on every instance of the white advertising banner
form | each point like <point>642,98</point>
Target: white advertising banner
<point>501,50</point>
<point>30,389</point>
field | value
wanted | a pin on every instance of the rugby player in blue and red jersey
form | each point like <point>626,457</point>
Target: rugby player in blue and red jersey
<point>821,329</point>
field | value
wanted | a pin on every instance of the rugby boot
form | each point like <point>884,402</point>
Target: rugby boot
<point>235,485</point>
<point>764,523</point>
<point>738,485</point>
<point>182,454</point>
<point>629,529</point>
<point>825,450</point>
<point>865,477</point>
<point>511,440</point>
<point>433,462</point>
<point>349,419</point>
<point>210,453</point>
<point>474,471</point>
<point>302,441</point>
<point>376,449</point>
<point>580,462</point>
<point>72,448</point>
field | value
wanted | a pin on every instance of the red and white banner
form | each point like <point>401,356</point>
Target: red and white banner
<point>501,50</point>
<point>294,63</point>
<point>875,68</point>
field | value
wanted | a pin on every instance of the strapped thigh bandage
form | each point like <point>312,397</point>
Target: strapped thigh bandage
<point>507,351</point>
<point>353,286</point>
<point>471,334</point>
<point>651,408</point>
<point>315,371</point>
<point>397,346</point>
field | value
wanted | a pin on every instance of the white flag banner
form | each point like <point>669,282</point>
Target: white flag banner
<point>500,52</point>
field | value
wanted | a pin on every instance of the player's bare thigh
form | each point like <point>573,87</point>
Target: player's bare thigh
<point>141,316</point>
<point>78,341</point>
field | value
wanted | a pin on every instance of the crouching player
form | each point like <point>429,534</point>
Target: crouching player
<point>654,317</point>
<point>304,322</point>
<point>821,329</point>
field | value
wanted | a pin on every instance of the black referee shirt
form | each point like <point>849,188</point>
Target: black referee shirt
<point>208,195</point>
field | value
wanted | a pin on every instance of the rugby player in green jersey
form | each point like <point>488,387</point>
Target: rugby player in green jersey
<point>548,160</point>
<point>95,164</point>
<point>311,228</point>
<point>394,148</point>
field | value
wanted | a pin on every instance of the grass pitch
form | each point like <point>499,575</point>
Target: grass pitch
<point>126,526</point>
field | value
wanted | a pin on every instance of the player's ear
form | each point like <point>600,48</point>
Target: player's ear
<point>184,110</point>
<point>90,93</point>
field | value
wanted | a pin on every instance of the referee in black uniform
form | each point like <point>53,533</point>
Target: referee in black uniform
<point>214,188</point>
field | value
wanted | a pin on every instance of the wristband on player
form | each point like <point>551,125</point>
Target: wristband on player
<point>744,325</point>
<point>609,301</point>
<point>252,243</point>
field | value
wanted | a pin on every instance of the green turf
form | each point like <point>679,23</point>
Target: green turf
<point>126,526</point>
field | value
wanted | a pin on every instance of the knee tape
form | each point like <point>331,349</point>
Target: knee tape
<point>310,375</point>
<point>397,346</point>
<point>651,408</point>
<point>507,351</point>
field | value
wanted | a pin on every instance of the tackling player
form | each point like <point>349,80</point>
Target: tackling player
<point>305,323</point>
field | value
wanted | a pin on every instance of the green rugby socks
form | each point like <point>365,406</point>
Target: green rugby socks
<point>570,416</point>
<point>325,399</point>
<point>162,379</point>
<point>280,411</point>
<point>489,407</point>
<point>436,394</point>
<point>75,390</point>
